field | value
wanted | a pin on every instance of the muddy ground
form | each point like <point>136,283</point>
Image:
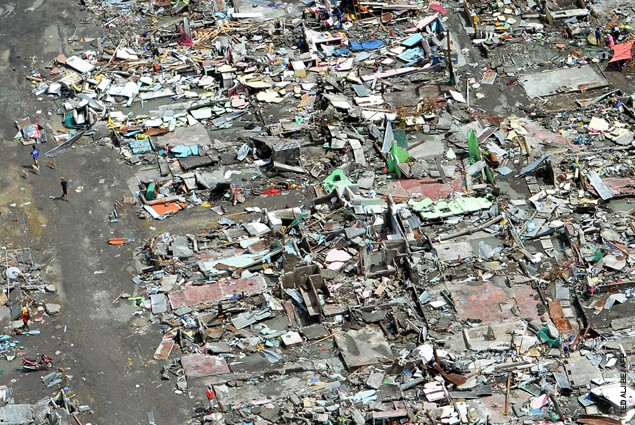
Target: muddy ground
<point>99,343</point>
<point>97,340</point>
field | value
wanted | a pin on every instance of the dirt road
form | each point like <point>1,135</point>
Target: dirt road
<point>104,348</point>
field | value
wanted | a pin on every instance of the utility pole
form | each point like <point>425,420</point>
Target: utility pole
<point>6,272</point>
<point>450,64</point>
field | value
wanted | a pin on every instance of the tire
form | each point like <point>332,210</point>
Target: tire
<point>49,365</point>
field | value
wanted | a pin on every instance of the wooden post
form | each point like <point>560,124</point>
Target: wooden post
<point>509,382</point>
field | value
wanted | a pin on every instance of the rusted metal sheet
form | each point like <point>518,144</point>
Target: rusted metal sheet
<point>598,420</point>
<point>195,295</point>
<point>489,77</point>
<point>486,133</point>
<point>214,333</point>
<point>164,349</point>
<point>620,187</point>
<point>557,316</point>
<point>428,187</point>
<point>201,365</point>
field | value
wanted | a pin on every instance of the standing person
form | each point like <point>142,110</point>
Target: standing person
<point>210,398</point>
<point>609,40</point>
<point>598,36</point>
<point>25,317</point>
<point>35,154</point>
<point>64,185</point>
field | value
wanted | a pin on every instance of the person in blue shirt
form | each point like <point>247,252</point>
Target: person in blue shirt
<point>35,154</point>
<point>64,185</point>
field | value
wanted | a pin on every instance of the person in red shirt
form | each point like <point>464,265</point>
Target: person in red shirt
<point>25,317</point>
<point>210,397</point>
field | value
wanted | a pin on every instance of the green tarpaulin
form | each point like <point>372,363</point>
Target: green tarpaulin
<point>429,209</point>
<point>336,179</point>
<point>396,156</point>
<point>150,195</point>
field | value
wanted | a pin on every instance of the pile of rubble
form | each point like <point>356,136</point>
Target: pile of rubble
<point>365,320</point>
<point>385,247</point>
<point>56,410</point>
<point>26,289</point>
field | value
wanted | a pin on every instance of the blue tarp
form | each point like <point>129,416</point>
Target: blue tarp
<point>141,146</point>
<point>184,151</point>
<point>411,54</point>
<point>358,46</point>
<point>132,133</point>
<point>413,40</point>
<point>342,52</point>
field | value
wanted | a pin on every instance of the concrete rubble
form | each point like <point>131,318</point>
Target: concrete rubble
<point>58,409</point>
<point>26,287</point>
<point>420,212</point>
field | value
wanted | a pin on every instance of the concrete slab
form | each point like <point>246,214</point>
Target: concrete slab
<point>314,332</point>
<point>275,388</point>
<point>477,339</point>
<point>454,250</point>
<point>434,145</point>
<point>363,347</point>
<point>201,365</point>
<point>580,371</point>
<point>185,136</point>
<point>566,79</point>
<point>159,303</point>
<point>253,364</point>
<point>52,309</point>
<point>17,414</point>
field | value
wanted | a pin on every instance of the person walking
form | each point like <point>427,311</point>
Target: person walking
<point>35,154</point>
<point>64,185</point>
<point>25,317</point>
<point>210,398</point>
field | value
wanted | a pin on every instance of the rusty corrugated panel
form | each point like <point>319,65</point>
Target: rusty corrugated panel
<point>486,133</point>
<point>164,349</point>
<point>598,420</point>
<point>557,316</point>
